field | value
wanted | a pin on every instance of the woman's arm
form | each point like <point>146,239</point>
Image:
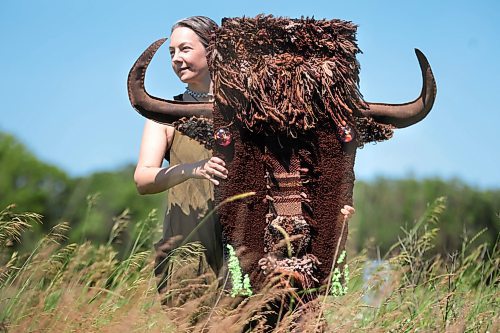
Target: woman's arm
<point>150,177</point>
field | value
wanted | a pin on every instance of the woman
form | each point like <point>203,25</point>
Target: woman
<point>192,171</point>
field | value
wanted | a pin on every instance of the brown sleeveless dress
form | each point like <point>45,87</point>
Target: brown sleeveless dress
<point>187,205</point>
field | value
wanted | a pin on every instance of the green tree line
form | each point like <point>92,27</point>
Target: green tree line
<point>91,204</point>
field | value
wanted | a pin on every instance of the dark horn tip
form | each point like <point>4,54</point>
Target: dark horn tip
<point>424,64</point>
<point>422,59</point>
<point>406,114</point>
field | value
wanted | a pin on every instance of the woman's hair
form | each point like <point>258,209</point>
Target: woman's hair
<point>201,25</point>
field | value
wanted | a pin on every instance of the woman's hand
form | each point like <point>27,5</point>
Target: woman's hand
<point>209,169</point>
<point>348,212</point>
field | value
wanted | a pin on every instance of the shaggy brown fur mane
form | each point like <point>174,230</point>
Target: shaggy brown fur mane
<point>283,76</point>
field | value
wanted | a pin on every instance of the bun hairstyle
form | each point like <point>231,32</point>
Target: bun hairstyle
<point>201,25</point>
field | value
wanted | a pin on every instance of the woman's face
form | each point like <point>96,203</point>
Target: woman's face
<point>188,56</point>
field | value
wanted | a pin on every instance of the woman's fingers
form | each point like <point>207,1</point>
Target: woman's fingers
<point>217,160</point>
<point>218,167</point>
<point>211,169</point>
<point>216,173</point>
<point>213,180</point>
<point>209,177</point>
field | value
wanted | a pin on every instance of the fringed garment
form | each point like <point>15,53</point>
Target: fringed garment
<point>187,205</point>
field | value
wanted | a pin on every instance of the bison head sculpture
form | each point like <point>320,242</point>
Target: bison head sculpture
<point>287,119</point>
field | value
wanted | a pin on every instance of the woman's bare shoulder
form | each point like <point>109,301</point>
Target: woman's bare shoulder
<point>156,134</point>
<point>155,127</point>
<point>162,132</point>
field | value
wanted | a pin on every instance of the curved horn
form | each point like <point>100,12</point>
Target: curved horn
<point>407,114</point>
<point>155,108</point>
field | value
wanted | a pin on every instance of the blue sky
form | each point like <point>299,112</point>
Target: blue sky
<point>65,65</point>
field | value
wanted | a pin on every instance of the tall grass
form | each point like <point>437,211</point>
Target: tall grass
<point>85,287</point>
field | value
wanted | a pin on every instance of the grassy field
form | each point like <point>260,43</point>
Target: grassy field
<point>83,287</point>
